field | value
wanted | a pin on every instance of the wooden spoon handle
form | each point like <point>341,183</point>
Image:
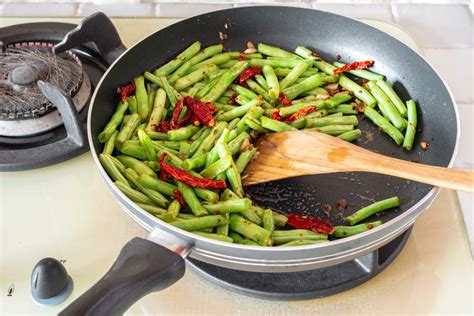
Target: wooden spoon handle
<point>456,179</point>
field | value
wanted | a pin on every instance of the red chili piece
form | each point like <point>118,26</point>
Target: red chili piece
<point>180,199</point>
<point>242,57</point>
<point>304,111</point>
<point>233,100</point>
<point>178,108</point>
<point>249,73</point>
<point>163,127</point>
<point>354,66</point>
<point>187,178</point>
<point>284,100</point>
<point>276,116</point>
<point>125,91</point>
<point>311,223</point>
<point>203,111</point>
<point>164,176</point>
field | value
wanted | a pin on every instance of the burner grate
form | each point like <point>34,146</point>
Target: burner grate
<point>21,66</point>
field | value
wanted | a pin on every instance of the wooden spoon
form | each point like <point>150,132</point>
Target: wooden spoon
<point>289,154</point>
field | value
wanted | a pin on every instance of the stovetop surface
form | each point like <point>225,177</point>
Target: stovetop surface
<point>65,211</point>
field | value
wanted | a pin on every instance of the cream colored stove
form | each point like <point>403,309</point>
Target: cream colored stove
<point>65,211</point>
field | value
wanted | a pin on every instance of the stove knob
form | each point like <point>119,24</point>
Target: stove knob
<point>50,283</point>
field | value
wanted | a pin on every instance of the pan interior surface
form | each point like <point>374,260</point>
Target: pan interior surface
<point>329,35</point>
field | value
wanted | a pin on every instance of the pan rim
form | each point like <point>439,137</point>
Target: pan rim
<point>428,198</point>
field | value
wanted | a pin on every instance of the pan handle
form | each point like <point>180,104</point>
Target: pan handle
<point>142,267</point>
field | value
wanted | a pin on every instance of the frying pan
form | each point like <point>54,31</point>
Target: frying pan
<point>144,265</point>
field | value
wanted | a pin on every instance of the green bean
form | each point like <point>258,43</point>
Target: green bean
<point>205,90</point>
<point>387,107</point>
<point>191,200</point>
<point>158,108</point>
<point>206,53</point>
<point>193,224</point>
<point>225,81</point>
<point>114,122</point>
<point>173,211</point>
<point>151,99</point>
<point>209,141</point>
<point>250,230</point>
<point>318,62</point>
<point>239,111</point>
<point>219,237</point>
<point>393,96</point>
<point>180,72</point>
<point>223,229</point>
<point>325,121</point>
<point>255,125</point>
<point>127,131</point>
<point>112,170</point>
<point>134,195</point>
<point>232,174</point>
<point>142,98</point>
<point>157,135</point>
<point>350,135</point>
<point>302,242</point>
<point>280,219</point>
<point>316,92</point>
<point>151,77</point>
<point>301,122</point>
<point>233,123</point>
<point>137,165</point>
<point>182,133</point>
<point>344,109</point>
<point>275,63</point>
<point>288,110</point>
<point>371,209</point>
<point>157,184</point>
<point>294,74</point>
<point>110,144</point>
<point>153,195</point>
<point>152,209</point>
<point>132,104</point>
<point>229,206</point>
<point>184,56</point>
<point>195,76</point>
<point>216,168</point>
<point>333,129</point>
<point>346,231</point>
<point>268,220</point>
<point>262,82</point>
<point>384,124</point>
<point>195,162</point>
<point>199,133</point>
<point>283,236</point>
<point>274,51</point>
<point>256,88</point>
<point>132,149</point>
<point>120,166</point>
<point>361,73</point>
<point>173,95</point>
<point>224,107</point>
<point>147,144</point>
<point>160,146</point>
<point>283,72</point>
<point>245,92</point>
<point>275,125</point>
<point>207,195</point>
<point>307,84</point>
<point>244,159</point>
<point>229,64</point>
<point>197,143</point>
<point>358,91</point>
<point>337,99</point>
<point>273,84</point>
<point>236,143</point>
<point>215,60</point>
<point>411,128</point>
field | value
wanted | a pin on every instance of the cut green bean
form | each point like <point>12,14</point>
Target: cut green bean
<point>191,200</point>
<point>193,224</point>
<point>244,159</point>
<point>393,96</point>
<point>157,184</point>
<point>332,120</point>
<point>384,124</point>
<point>223,229</point>
<point>272,81</point>
<point>239,111</point>
<point>134,195</point>
<point>371,209</point>
<point>137,165</point>
<point>386,106</point>
<point>147,144</point>
<point>173,211</point>
<point>229,206</point>
<point>283,236</point>
<point>411,128</point>
<point>307,84</point>
<point>268,220</point>
<point>351,135</point>
<point>250,230</point>
<point>302,242</point>
<point>344,109</point>
<point>294,74</point>
<point>225,81</point>
<point>337,99</point>
<point>206,53</point>
<point>128,129</point>
<point>152,209</point>
<point>274,51</point>
<point>110,144</point>
<point>184,56</point>
<point>232,174</point>
<point>346,231</point>
<point>156,197</point>
<point>219,237</point>
<point>275,125</point>
<point>182,133</point>
<point>156,115</point>
<point>215,60</point>
<point>216,168</point>
<point>333,129</point>
<point>358,91</point>
<point>132,149</point>
<point>114,122</point>
<point>141,95</point>
<point>112,170</point>
<point>195,76</point>
<point>262,82</point>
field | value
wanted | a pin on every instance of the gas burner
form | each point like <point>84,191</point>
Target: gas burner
<point>21,66</point>
<point>47,74</point>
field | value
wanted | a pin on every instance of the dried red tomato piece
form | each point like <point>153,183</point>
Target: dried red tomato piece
<point>304,111</point>
<point>276,116</point>
<point>249,73</point>
<point>311,223</point>
<point>189,179</point>
<point>203,111</point>
<point>284,100</point>
<point>233,100</point>
<point>180,198</point>
<point>354,66</point>
<point>125,91</point>
<point>242,57</point>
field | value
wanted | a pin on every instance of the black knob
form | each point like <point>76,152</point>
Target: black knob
<point>50,283</point>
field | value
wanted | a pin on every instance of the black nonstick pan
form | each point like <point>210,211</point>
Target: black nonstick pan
<point>144,266</point>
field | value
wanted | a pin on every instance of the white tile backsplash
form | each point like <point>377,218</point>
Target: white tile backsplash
<point>367,11</point>
<point>125,10</point>
<point>188,9</point>
<point>39,9</point>
<point>436,26</point>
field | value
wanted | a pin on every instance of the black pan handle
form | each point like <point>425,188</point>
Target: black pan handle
<point>142,267</point>
<point>98,29</point>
